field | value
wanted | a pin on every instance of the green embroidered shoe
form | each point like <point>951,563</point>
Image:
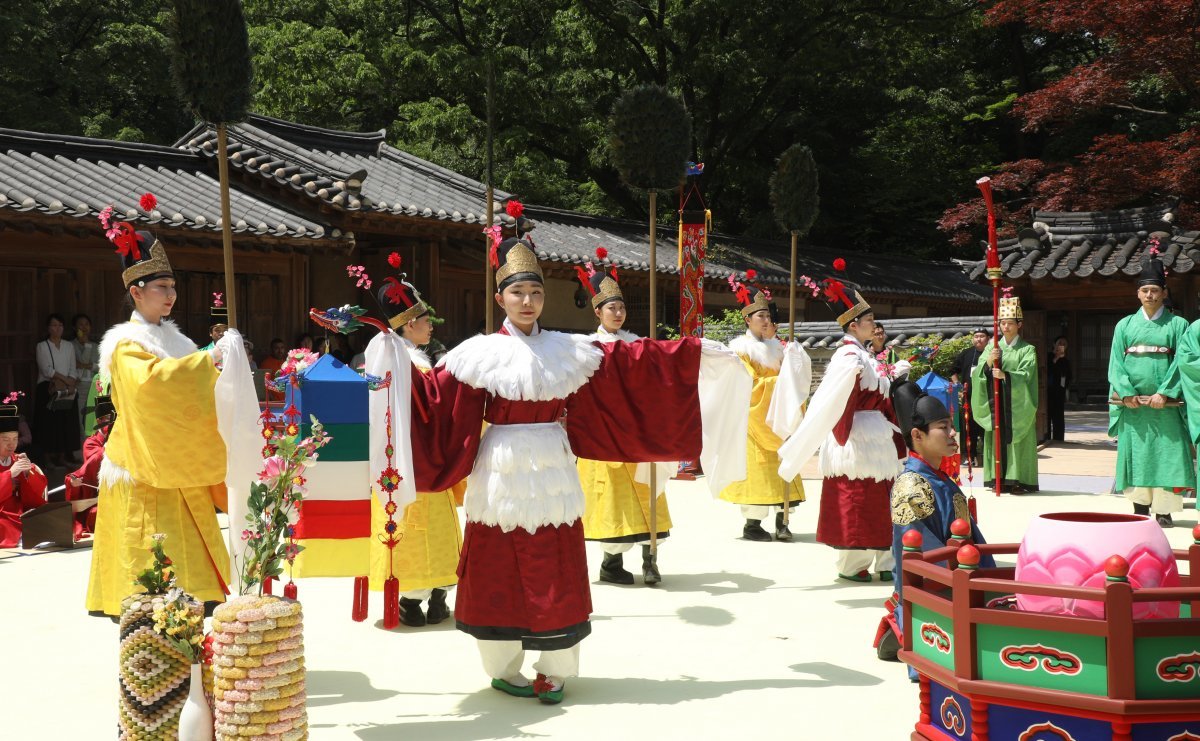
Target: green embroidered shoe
<point>546,692</point>
<point>515,690</point>
<point>862,576</point>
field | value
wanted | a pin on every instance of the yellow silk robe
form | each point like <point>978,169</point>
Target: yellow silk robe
<point>164,469</point>
<point>762,484</point>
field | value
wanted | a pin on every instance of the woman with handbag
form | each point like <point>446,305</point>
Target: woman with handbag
<point>56,420</point>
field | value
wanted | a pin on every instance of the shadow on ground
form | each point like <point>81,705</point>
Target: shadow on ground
<point>335,688</point>
<point>488,714</point>
<point>718,583</point>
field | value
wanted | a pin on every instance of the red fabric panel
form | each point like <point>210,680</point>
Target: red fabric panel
<point>445,439</point>
<point>501,411</point>
<point>325,518</point>
<point>641,405</point>
<point>535,581</point>
<point>855,513</point>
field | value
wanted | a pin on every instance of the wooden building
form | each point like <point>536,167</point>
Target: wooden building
<point>307,201</point>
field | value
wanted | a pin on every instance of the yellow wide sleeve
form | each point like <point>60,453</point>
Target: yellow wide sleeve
<point>166,431</point>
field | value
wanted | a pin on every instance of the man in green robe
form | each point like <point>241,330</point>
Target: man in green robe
<point>1154,456</point>
<point>1015,364</point>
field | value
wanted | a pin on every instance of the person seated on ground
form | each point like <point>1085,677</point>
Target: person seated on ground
<point>22,484</point>
<point>84,482</point>
<point>924,498</point>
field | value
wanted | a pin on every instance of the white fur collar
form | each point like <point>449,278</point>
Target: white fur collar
<point>850,356</point>
<point>539,367</point>
<point>763,353</point>
<point>164,340</point>
<point>419,359</point>
<point>603,335</point>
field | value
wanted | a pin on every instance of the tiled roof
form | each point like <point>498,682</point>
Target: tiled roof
<point>900,331</point>
<point>566,236</point>
<point>351,171</point>
<point>1093,244</point>
<point>78,176</point>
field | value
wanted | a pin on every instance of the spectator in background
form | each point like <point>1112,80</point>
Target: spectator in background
<point>1058,379</point>
<point>340,348</point>
<point>87,356</point>
<point>274,360</point>
<point>246,343</point>
<point>304,341</point>
<point>55,403</point>
<point>963,365</point>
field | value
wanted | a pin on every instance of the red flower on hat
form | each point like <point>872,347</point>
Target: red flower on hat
<point>514,208</point>
<point>394,260</point>
<point>601,253</point>
<point>751,274</point>
<point>126,240</point>
<point>839,264</point>
<point>148,202</point>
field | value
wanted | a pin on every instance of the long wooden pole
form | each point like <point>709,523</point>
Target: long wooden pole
<point>653,335</point>
<point>226,226</point>
<point>997,406</point>
<point>787,493</point>
<point>488,275</point>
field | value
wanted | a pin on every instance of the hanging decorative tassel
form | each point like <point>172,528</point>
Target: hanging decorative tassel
<point>391,603</point>
<point>972,509</point>
<point>267,585</point>
<point>289,590</point>
<point>360,599</point>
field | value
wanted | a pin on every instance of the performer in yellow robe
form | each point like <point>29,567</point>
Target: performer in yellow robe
<point>425,560</point>
<point>165,462</point>
<point>764,356</point>
<point>617,499</point>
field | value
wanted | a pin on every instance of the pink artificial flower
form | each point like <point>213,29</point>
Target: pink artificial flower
<point>272,469</point>
<point>106,217</point>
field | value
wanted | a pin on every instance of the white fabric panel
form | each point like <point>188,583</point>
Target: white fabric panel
<point>791,391</point>
<point>389,353</point>
<point>724,388</point>
<point>341,481</point>
<point>237,421</point>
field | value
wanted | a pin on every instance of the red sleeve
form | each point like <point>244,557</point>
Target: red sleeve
<point>641,405</point>
<point>6,487</point>
<point>33,489</point>
<point>841,430</point>
<point>447,420</point>
<point>89,472</point>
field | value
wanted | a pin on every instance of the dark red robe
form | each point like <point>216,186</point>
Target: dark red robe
<point>25,493</point>
<point>89,474</point>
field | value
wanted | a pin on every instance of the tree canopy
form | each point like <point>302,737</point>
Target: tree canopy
<point>903,103</point>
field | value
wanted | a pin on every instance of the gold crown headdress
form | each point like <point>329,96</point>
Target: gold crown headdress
<point>601,286</point>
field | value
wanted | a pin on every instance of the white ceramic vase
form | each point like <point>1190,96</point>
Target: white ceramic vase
<point>196,720</point>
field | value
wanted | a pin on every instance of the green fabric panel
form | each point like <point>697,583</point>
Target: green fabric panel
<point>1167,668</point>
<point>349,443</point>
<point>1050,660</point>
<point>933,636</point>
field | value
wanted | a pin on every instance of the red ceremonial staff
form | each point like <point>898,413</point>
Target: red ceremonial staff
<point>994,274</point>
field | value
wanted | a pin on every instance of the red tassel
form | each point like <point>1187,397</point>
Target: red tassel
<point>267,585</point>
<point>972,509</point>
<point>289,590</point>
<point>360,599</point>
<point>391,603</point>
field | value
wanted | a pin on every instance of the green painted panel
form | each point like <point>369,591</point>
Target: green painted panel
<point>933,636</point>
<point>349,443</point>
<point>1167,667</point>
<point>1035,658</point>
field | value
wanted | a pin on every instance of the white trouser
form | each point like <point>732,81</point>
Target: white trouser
<point>503,660</point>
<point>1162,501</point>
<point>615,548</point>
<point>422,594</point>
<point>760,511</point>
<point>850,561</point>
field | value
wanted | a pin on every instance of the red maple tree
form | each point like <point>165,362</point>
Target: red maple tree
<point>1135,97</point>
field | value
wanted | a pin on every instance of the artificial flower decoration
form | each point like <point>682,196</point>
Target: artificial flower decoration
<point>839,264</point>
<point>751,274</point>
<point>358,271</point>
<point>514,208</point>
<point>12,398</point>
<point>601,253</point>
<point>394,260</point>
<point>218,299</point>
<point>148,202</point>
<point>106,217</point>
<point>125,238</point>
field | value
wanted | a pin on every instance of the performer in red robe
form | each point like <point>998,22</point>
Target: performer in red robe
<point>548,397</point>
<point>850,419</point>
<point>22,484</point>
<point>84,482</point>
